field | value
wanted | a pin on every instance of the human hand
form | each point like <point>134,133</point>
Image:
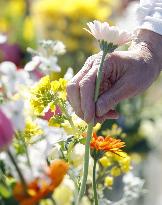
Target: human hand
<point>125,74</point>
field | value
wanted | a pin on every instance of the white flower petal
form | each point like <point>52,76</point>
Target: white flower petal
<point>7,68</point>
<point>110,34</point>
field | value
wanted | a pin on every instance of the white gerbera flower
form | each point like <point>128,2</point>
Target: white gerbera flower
<point>110,34</point>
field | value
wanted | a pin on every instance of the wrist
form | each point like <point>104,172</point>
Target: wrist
<point>151,43</point>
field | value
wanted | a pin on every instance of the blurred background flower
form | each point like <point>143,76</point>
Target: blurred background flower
<point>25,23</point>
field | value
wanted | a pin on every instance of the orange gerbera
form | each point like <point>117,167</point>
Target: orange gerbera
<point>106,143</point>
<point>41,188</point>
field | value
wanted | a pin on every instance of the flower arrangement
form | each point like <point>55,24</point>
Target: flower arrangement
<point>49,155</point>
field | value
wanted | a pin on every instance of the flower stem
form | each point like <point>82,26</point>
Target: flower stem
<point>18,170</point>
<point>89,133</point>
<point>94,183</point>
<point>99,77</point>
<point>86,162</point>
<point>21,138</point>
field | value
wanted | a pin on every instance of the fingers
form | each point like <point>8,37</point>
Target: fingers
<point>87,88</point>
<point>112,114</point>
<point>73,89</point>
<point>122,89</point>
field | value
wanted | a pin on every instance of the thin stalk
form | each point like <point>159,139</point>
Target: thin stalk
<point>99,77</point>
<point>69,118</point>
<point>52,200</point>
<point>89,133</point>
<point>94,183</point>
<point>26,151</point>
<point>86,162</point>
<point>22,179</point>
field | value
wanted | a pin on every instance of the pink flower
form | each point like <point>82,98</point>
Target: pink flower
<point>6,131</point>
<point>50,114</point>
<point>110,34</point>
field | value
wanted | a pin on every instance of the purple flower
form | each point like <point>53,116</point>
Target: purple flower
<point>6,131</point>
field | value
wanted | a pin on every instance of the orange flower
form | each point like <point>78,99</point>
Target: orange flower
<point>106,143</point>
<point>41,188</point>
<point>57,170</point>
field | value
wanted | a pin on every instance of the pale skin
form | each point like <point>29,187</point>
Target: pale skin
<point>125,74</point>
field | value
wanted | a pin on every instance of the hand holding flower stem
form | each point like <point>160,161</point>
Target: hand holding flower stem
<point>109,38</point>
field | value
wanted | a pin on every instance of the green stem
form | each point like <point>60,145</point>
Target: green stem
<point>99,77</point>
<point>69,117</point>
<point>89,134</point>
<point>26,151</point>
<point>86,162</point>
<point>94,183</point>
<point>24,184</point>
<point>52,200</point>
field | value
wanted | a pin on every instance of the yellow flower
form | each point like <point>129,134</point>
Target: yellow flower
<point>124,161</point>
<point>55,85</point>
<point>53,122</point>
<point>31,130</point>
<point>3,25</point>
<point>63,84</point>
<point>16,7</point>
<point>97,127</point>
<point>109,181</point>
<point>28,31</point>
<point>114,131</point>
<point>106,162</point>
<point>41,95</point>
<point>63,195</point>
<point>115,171</point>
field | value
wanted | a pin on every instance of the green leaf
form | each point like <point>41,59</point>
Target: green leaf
<point>4,191</point>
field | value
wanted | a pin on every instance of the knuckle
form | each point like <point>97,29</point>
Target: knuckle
<point>84,83</point>
<point>71,86</point>
<point>90,60</point>
<point>113,57</point>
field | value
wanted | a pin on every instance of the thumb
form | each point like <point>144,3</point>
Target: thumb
<point>120,91</point>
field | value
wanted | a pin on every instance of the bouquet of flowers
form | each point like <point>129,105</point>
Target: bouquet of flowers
<point>48,154</point>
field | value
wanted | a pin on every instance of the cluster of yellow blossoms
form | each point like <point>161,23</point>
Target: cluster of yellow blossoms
<point>117,164</point>
<point>31,130</point>
<point>48,93</point>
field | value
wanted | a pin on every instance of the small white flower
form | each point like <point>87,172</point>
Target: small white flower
<point>7,68</point>
<point>14,111</point>
<point>32,65</point>
<point>110,34</point>
<point>44,64</point>
<point>12,79</point>
<point>69,74</point>
<point>53,134</point>
<point>58,48</point>
<point>3,38</point>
